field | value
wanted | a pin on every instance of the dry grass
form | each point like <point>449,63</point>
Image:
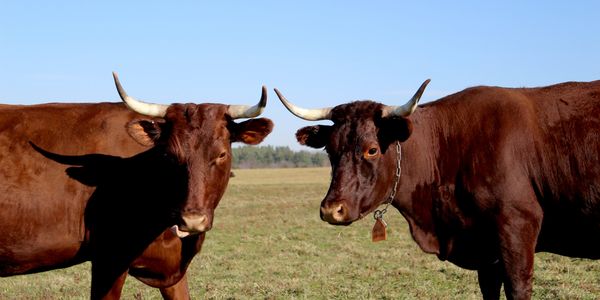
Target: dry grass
<point>269,243</point>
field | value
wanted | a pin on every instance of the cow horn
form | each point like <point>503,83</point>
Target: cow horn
<point>148,109</point>
<point>246,111</point>
<point>303,113</point>
<point>408,108</point>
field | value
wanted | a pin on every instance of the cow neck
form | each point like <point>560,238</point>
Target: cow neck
<point>378,214</point>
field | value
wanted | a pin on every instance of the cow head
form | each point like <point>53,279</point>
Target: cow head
<point>198,138</point>
<point>361,147</point>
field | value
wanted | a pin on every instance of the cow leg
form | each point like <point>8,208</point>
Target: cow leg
<point>490,280</point>
<point>178,291</point>
<point>519,273</point>
<point>106,282</point>
<point>519,224</point>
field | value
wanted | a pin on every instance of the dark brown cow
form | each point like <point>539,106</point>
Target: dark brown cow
<point>141,209</point>
<point>488,175</point>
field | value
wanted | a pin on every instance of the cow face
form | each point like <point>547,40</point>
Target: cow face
<point>361,145</point>
<point>362,152</point>
<point>197,138</point>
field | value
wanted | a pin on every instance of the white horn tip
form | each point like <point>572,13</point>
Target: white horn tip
<point>245,111</point>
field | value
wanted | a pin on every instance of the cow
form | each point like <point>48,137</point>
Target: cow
<point>484,177</point>
<point>131,187</point>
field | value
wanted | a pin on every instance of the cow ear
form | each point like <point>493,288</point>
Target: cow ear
<point>251,131</point>
<point>145,132</point>
<point>314,136</point>
<point>393,129</point>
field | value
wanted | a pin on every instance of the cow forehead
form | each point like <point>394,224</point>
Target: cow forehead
<point>355,121</point>
<point>196,126</point>
<point>207,117</point>
<point>356,111</point>
<point>196,112</point>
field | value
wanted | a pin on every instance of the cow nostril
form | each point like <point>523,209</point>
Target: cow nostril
<point>334,214</point>
<point>339,213</point>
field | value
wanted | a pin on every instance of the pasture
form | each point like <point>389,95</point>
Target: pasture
<point>269,243</point>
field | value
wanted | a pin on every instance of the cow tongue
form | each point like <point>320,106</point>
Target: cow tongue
<point>181,234</point>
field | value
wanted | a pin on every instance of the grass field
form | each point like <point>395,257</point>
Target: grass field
<point>269,243</point>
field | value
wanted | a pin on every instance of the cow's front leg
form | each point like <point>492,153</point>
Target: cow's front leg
<point>490,280</point>
<point>519,224</point>
<point>178,291</point>
<point>107,281</point>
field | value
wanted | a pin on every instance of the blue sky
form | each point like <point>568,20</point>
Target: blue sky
<point>318,53</point>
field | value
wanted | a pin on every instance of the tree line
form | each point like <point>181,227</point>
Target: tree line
<point>249,157</point>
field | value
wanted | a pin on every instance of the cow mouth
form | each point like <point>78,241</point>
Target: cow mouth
<point>339,223</point>
<point>180,233</point>
<point>342,223</point>
<point>346,223</point>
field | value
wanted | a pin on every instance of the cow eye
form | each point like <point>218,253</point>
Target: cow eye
<point>223,154</point>
<point>372,152</point>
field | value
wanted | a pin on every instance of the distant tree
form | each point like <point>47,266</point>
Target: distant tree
<point>248,157</point>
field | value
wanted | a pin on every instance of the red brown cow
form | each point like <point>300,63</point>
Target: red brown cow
<point>139,208</point>
<point>488,176</point>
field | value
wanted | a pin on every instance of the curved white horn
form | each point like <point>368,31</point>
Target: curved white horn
<point>246,111</point>
<point>304,113</point>
<point>408,108</point>
<point>148,109</point>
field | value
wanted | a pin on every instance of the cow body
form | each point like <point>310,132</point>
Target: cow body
<point>43,210</point>
<point>42,207</point>
<point>103,183</point>
<point>486,157</point>
<point>489,175</point>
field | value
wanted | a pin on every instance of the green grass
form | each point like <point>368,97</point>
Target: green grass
<point>269,243</point>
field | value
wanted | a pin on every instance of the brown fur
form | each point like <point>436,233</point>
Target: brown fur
<point>115,200</point>
<point>489,175</point>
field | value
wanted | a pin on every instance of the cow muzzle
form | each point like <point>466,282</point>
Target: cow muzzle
<point>192,224</point>
<point>336,214</point>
